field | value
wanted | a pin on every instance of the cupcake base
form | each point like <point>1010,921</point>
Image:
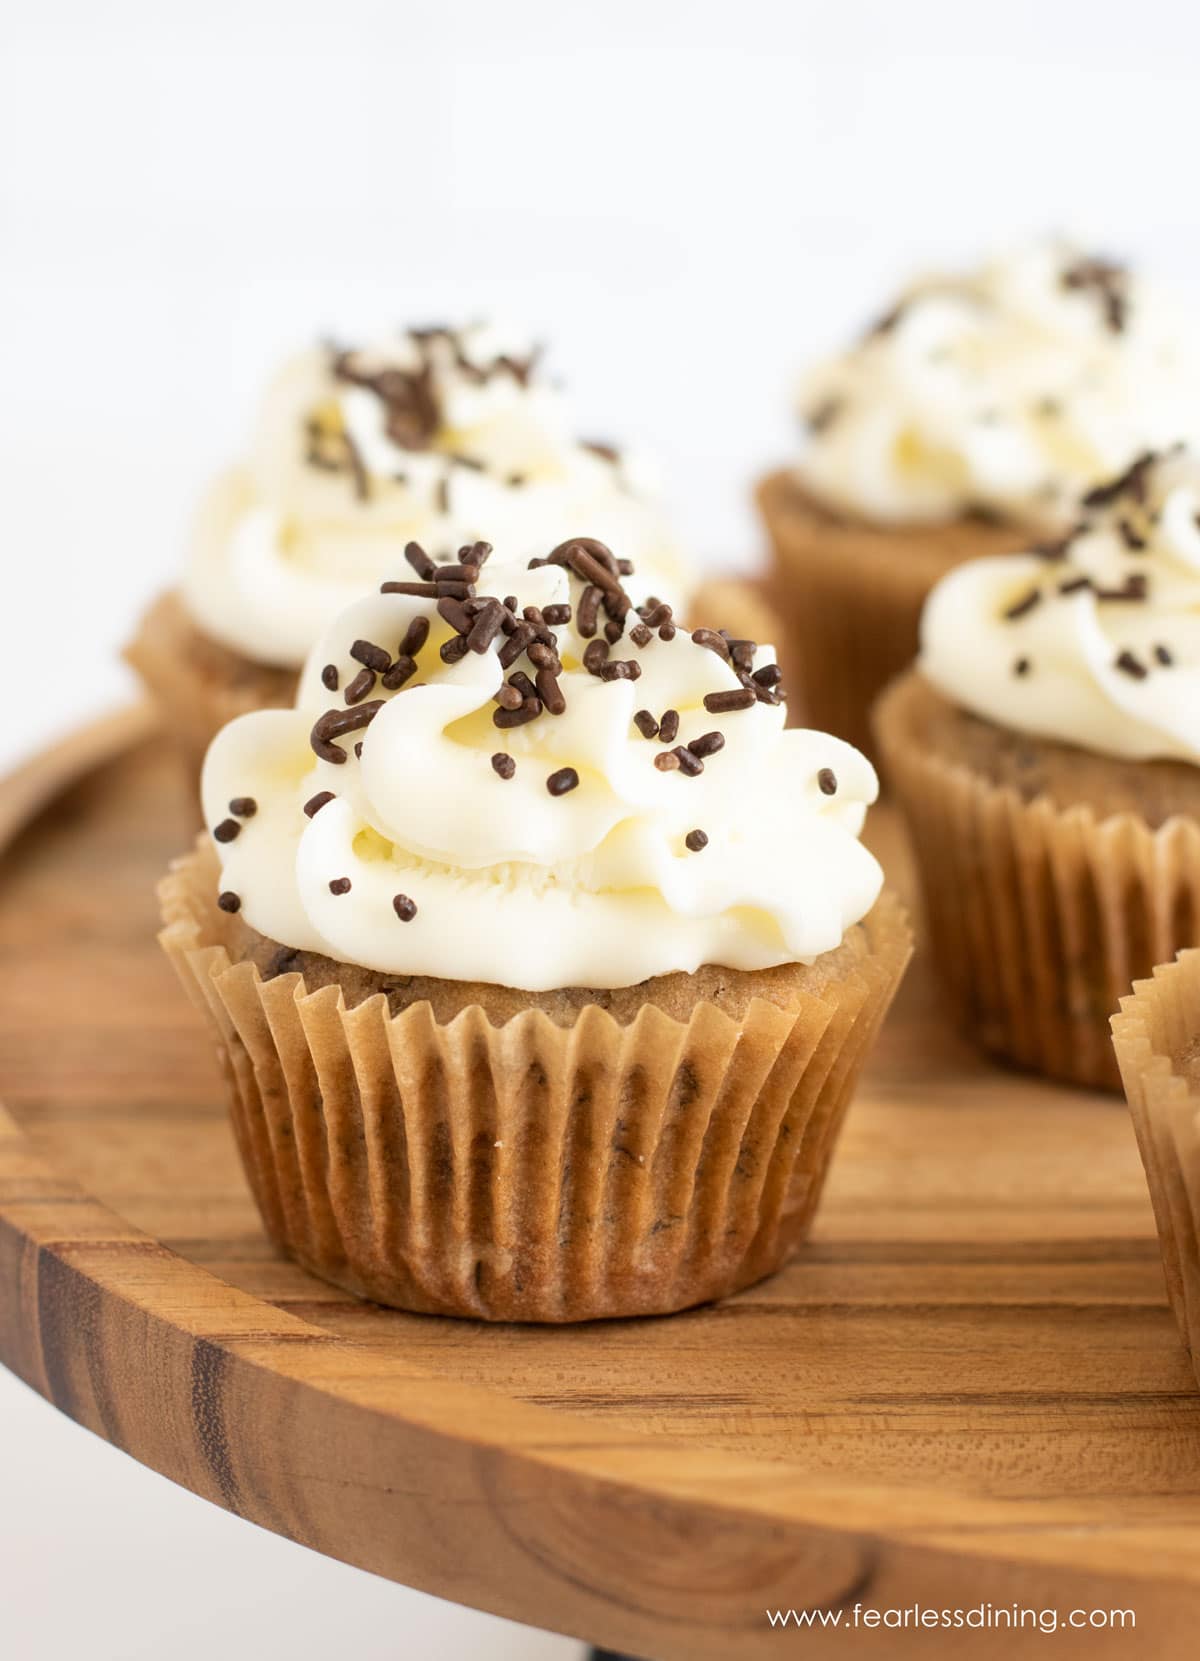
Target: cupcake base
<point>850,595</point>
<point>1156,1039</point>
<point>581,1156</point>
<point>197,683</point>
<point>1041,916</point>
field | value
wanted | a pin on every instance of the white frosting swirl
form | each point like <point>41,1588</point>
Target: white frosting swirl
<point>336,485</point>
<point>1082,664</point>
<point>1010,390</point>
<point>596,887</point>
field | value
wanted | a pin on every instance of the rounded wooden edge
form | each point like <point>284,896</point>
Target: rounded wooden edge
<point>26,790</point>
<point>558,1522</point>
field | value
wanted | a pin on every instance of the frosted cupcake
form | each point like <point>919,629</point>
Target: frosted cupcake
<point>434,435</point>
<point>542,960</point>
<point>968,421</point>
<point>1046,753</point>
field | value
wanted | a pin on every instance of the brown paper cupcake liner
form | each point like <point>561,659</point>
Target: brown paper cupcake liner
<point>850,595</point>
<point>1040,918</point>
<point>1156,1039</point>
<point>530,1170</point>
<point>197,683</point>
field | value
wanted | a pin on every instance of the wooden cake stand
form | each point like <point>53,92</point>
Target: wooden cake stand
<point>967,1392</point>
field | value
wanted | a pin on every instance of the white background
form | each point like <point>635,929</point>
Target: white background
<point>687,200</point>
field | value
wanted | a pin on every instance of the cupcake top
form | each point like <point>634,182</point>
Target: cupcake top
<point>432,435</point>
<point>1093,639</point>
<point>513,772</point>
<point>1008,391</point>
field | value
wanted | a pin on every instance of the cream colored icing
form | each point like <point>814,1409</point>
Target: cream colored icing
<point>456,435</point>
<point>595,887</point>
<point>1079,663</point>
<point>1010,390</point>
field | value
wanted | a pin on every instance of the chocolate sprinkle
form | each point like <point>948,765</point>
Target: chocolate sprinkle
<point>455,613</point>
<point>336,723</point>
<point>1164,656</point>
<point>504,764</point>
<point>689,761</point>
<point>415,636</point>
<point>646,724</point>
<point>1108,282</point>
<point>329,677</point>
<point>404,908</point>
<point>565,779</point>
<point>486,626</point>
<point>426,590</point>
<point>340,885</point>
<point>1022,666</point>
<point>226,830</point>
<point>420,561</point>
<point>314,804</point>
<point>401,671</point>
<point>595,656</point>
<point>719,703</point>
<point>588,611</point>
<point>362,683</point>
<point>695,840</point>
<point>666,761</point>
<point>243,807</point>
<point>707,744</point>
<point>530,709</point>
<point>372,656</point>
<point>827,781</point>
<point>516,644</point>
<point>550,692</point>
<point>1131,665</point>
<point>1133,588</point>
<point>1132,482</point>
<point>229,901</point>
<point>713,640</point>
<point>668,729</point>
<point>1132,539</point>
<point>1021,607</point>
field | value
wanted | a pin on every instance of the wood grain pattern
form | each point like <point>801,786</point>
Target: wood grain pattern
<point>968,1389</point>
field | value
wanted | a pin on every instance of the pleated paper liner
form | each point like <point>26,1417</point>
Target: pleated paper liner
<point>529,1170</point>
<point>1040,918</point>
<point>851,593</point>
<point>1156,1039</point>
<point>197,683</point>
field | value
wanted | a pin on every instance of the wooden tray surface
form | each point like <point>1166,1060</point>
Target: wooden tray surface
<point>969,1389</point>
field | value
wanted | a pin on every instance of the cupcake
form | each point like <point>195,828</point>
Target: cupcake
<point>1157,1042</point>
<point>431,436</point>
<point>541,959</point>
<point>968,421</point>
<point>1046,754</point>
